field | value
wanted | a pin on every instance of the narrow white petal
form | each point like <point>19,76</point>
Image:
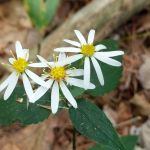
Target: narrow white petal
<point>62,56</point>
<point>38,65</point>
<point>44,77</point>
<point>41,65</point>
<point>55,97</point>
<point>68,95</point>
<point>73,58</point>
<point>11,60</point>
<point>27,86</point>
<point>26,54</point>
<point>36,78</point>
<point>5,83</point>
<point>43,60</point>
<point>110,53</point>
<point>19,50</point>
<point>80,37</point>
<point>68,49</point>
<point>59,63</point>
<point>98,71</point>
<point>91,36</point>
<point>78,83</point>
<point>41,91</point>
<point>86,72</point>
<point>74,43</point>
<point>11,86</point>
<point>100,47</point>
<point>107,60</point>
<point>75,72</point>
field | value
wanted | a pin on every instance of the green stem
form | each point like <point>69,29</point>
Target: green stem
<point>74,139</point>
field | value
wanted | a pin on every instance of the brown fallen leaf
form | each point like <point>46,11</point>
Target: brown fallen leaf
<point>144,139</point>
<point>10,147</point>
<point>141,104</point>
<point>144,23</point>
<point>16,25</point>
<point>144,72</point>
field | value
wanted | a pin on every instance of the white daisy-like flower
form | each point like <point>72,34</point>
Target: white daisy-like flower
<point>20,66</point>
<point>58,75</point>
<point>89,51</point>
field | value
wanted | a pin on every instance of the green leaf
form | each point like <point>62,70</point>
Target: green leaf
<point>128,141</point>
<point>41,12</point>
<point>90,121</point>
<point>76,91</point>
<point>100,147</point>
<point>111,74</point>
<point>12,110</point>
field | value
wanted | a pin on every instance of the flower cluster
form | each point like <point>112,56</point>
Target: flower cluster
<point>59,74</point>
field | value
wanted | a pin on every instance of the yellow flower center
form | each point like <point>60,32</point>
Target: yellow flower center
<point>58,73</point>
<point>20,65</point>
<point>88,50</point>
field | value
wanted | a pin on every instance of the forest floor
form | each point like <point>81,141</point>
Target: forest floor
<point>128,107</point>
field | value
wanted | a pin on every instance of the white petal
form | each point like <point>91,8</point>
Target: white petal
<point>11,86</point>
<point>100,47</point>
<point>78,83</point>
<point>68,49</point>
<point>26,54</point>
<point>19,50</point>
<point>73,58</point>
<point>110,53</point>
<point>41,65</point>
<point>91,36</point>
<point>74,43</point>
<point>98,70</point>
<point>61,57</point>
<point>38,65</point>
<point>55,97</point>
<point>41,91</point>
<point>45,76</point>
<point>108,60</point>
<point>27,86</point>
<point>80,37</point>
<point>58,64</point>
<point>5,83</point>
<point>75,72</point>
<point>86,72</point>
<point>36,78</point>
<point>11,60</point>
<point>68,95</point>
<point>43,60</point>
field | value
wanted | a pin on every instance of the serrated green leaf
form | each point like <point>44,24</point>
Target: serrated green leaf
<point>111,74</point>
<point>12,110</point>
<point>128,141</point>
<point>41,12</point>
<point>90,121</point>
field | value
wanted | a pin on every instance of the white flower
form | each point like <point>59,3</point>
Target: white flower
<point>58,74</point>
<point>20,67</point>
<point>86,49</point>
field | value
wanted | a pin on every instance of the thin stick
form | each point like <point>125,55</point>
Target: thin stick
<point>74,139</point>
<point>128,122</point>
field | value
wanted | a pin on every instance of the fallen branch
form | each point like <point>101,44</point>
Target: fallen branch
<point>128,122</point>
<point>102,15</point>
